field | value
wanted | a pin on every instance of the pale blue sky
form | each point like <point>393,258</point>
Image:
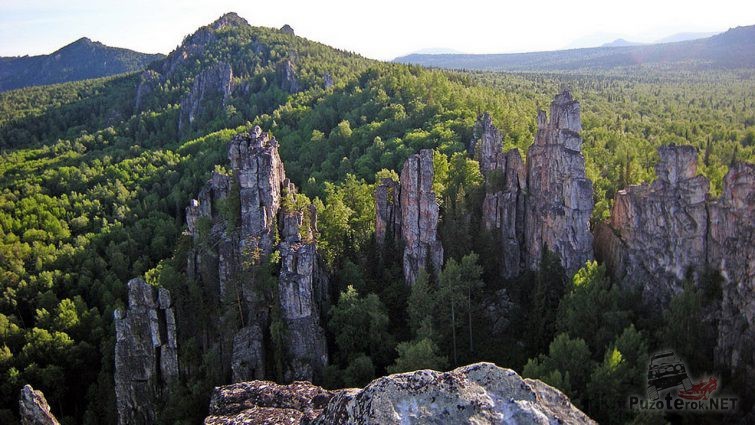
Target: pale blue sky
<point>379,29</point>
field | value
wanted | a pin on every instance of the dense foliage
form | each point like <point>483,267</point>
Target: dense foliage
<point>93,193</point>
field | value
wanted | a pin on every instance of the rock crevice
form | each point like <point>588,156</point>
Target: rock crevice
<point>248,214</point>
<point>146,352</point>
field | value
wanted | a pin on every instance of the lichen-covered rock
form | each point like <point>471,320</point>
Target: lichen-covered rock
<point>211,90</point>
<point>33,408</point>
<point>146,355</point>
<point>419,217</point>
<point>481,393</point>
<point>657,232</point>
<point>264,402</point>
<point>287,76</point>
<point>560,199</point>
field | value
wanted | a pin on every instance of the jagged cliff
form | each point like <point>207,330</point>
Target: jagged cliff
<point>657,232</point>
<point>238,220</point>
<point>33,408</point>
<point>212,88</point>
<point>408,211</point>
<point>662,233</point>
<point>559,194</point>
<point>480,393</point>
<point>146,353</point>
<point>546,202</point>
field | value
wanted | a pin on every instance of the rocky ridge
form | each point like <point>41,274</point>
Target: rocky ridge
<point>146,353</point>
<point>34,409</point>
<point>481,393</point>
<point>238,220</point>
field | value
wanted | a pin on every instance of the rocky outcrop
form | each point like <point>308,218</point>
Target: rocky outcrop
<point>148,82</point>
<point>194,45</point>
<point>328,81</point>
<point>663,233</point>
<point>265,402</point>
<point>387,211</point>
<point>408,212</point>
<point>302,292</point>
<point>559,194</point>
<point>237,222</point>
<point>731,250</point>
<point>286,29</point>
<point>286,72</point>
<point>548,202</point>
<point>419,217</point>
<point>657,232</point>
<point>211,91</point>
<point>480,393</point>
<point>503,208</point>
<point>146,353</point>
<point>33,408</point>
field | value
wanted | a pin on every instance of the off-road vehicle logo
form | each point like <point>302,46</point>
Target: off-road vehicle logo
<point>670,388</point>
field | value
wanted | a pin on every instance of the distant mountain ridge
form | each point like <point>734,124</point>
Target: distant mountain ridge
<point>80,60</point>
<point>734,48</point>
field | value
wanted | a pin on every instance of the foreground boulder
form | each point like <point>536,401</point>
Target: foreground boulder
<point>33,408</point>
<point>481,393</point>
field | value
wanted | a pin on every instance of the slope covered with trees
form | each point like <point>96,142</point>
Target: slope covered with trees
<point>94,183</point>
<point>80,60</point>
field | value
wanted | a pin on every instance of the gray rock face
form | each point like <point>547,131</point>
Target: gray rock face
<point>146,355</point>
<point>503,208</point>
<point>661,233</point>
<point>559,201</point>
<point>548,202</point>
<point>480,393</point>
<point>286,29</point>
<point>731,250</point>
<point>657,232</point>
<point>287,76</point>
<point>248,215</point>
<point>409,212</point>
<point>387,211</point>
<point>300,289</point>
<point>419,217</point>
<point>148,82</point>
<point>212,87</point>
<point>33,408</point>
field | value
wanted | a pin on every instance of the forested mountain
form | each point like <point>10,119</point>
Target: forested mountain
<point>164,175</point>
<point>80,60</point>
<point>732,49</point>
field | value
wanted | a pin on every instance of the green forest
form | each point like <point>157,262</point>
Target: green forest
<point>93,191</point>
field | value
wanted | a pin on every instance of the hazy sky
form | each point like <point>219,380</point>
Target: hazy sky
<point>378,29</point>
